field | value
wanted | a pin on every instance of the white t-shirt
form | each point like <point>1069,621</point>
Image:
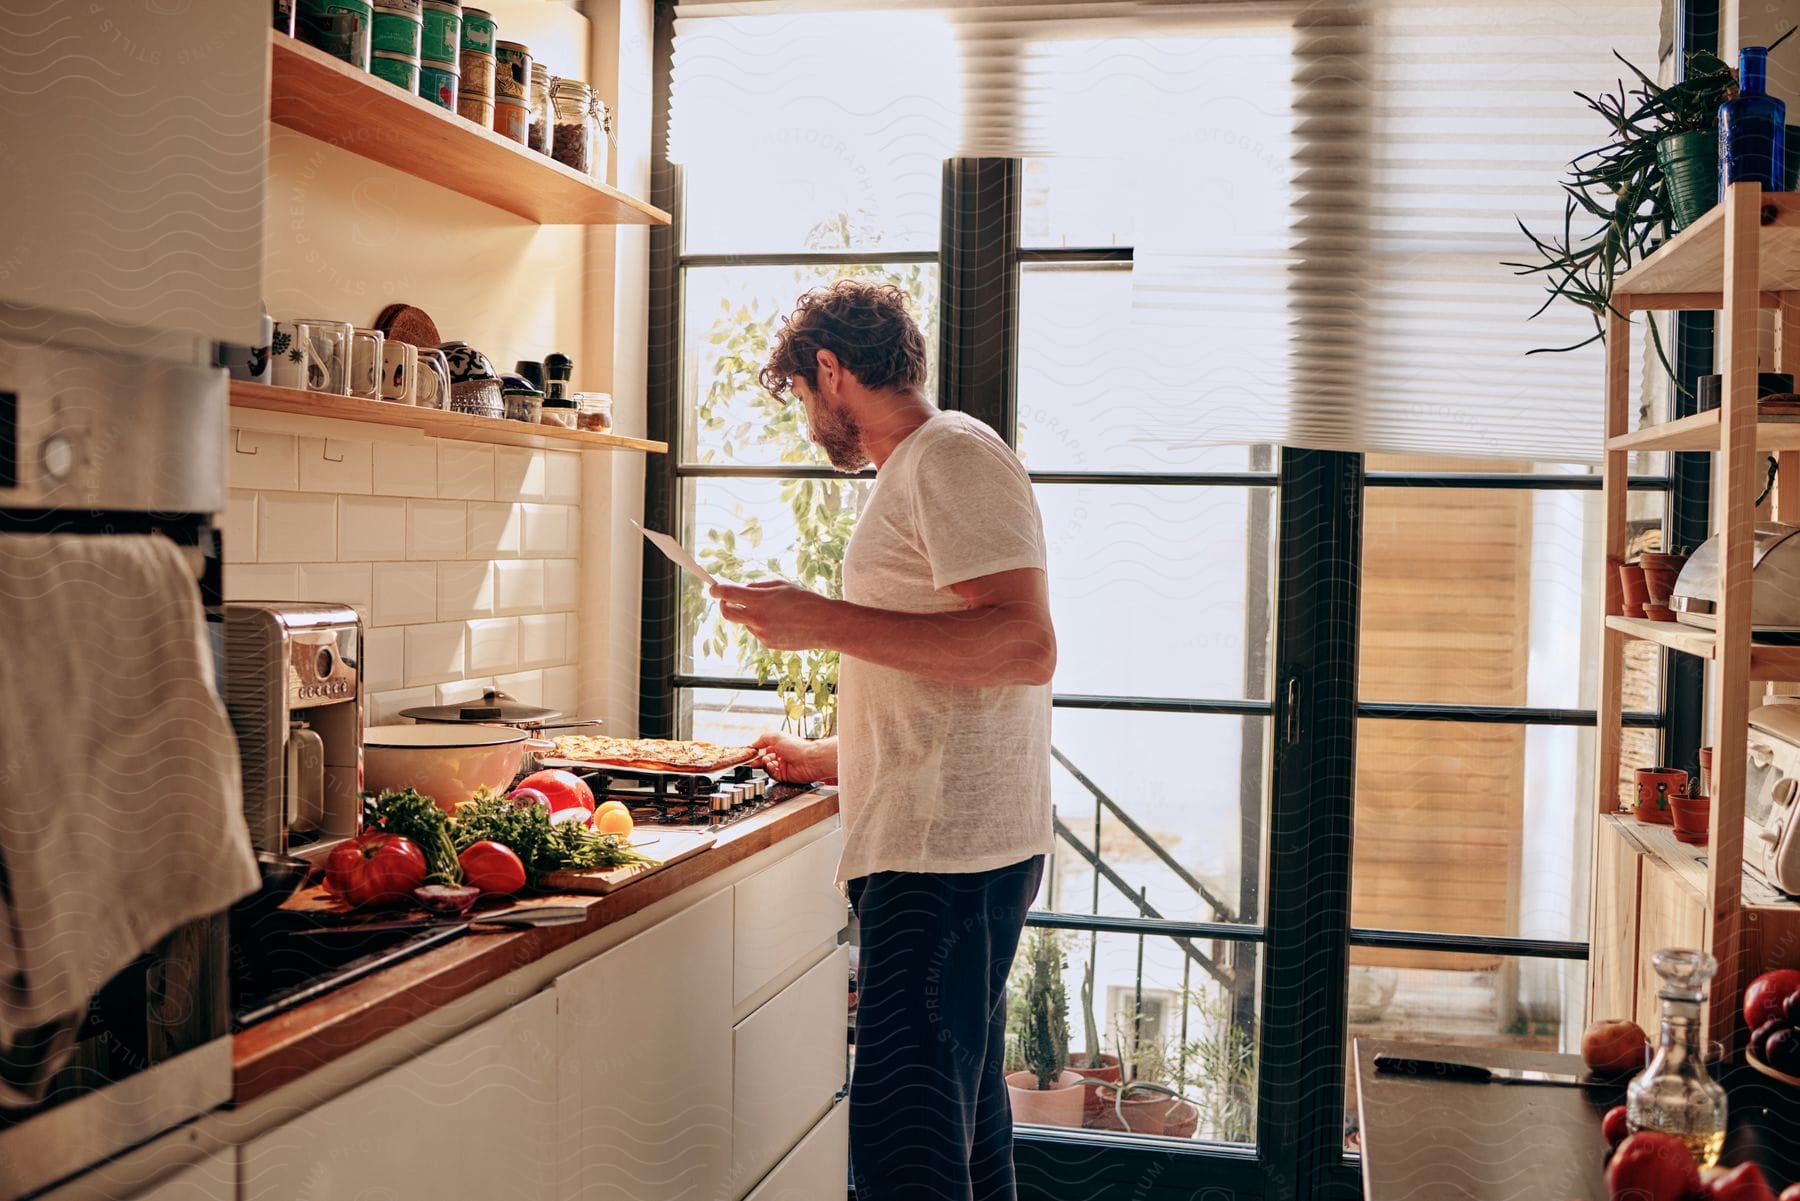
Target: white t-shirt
<point>937,777</point>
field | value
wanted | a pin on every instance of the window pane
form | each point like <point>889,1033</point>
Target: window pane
<point>731,317</point>
<point>1187,844</point>
<point>1523,1004</point>
<point>1083,403</point>
<point>1472,828</point>
<point>1076,202</point>
<point>729,717</point>
<point>1160,591</point>
<point>1485,597</point>
<point>1181,1015</point>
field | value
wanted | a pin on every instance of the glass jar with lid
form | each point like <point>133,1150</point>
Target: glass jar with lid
<point>603,137</point>
<point>593,411</point>
<point>573,132</point>
<point>537,125</point>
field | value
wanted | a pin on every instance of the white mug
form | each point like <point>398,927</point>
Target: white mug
<point>291,355</point>
<point>399,371</point>
<point>367,363</point>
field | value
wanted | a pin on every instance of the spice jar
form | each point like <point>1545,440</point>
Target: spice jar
<point>573,132</point>
<point>558,413</point>
<point>537,125</point>
<point>593,411</point>
<point>558,367</point>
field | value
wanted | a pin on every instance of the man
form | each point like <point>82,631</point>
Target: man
<point>943,753</point>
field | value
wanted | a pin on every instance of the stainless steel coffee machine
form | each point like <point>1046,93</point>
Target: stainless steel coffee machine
<point>293,687</point>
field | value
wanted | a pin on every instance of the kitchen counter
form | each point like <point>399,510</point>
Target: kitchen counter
<point>293,1044</point>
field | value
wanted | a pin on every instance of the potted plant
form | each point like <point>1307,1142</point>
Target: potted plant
<point>1143,1107</point>
<point>1093,1065</point>
<point>1046,1092</point>
<point>1693,816</point>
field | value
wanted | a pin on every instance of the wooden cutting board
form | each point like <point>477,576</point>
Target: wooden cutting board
<point>664,845</point>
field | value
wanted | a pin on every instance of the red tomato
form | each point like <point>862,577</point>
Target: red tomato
<point>564,789</point>
<point>373,869</point>
<point>1743,1183</point>
<point>1651,1166</point>
<point>1791,1193</point>
<point>1614,1126</point>
<point>1767,995</point>
<point>492,867</point>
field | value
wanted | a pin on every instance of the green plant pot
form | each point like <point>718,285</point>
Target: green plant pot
<point>1690,167</point>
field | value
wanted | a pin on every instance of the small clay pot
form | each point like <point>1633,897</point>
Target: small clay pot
<point>1655,787</point>
<point>1706,770</point>
<point>1093,1103</point>
<point>1660,573</point>
<point>1634,589</point>
<point>1693,818</point>
<point>1657,611</point>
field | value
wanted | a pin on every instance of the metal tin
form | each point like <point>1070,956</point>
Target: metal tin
<point>512,72</point>
<point>477,73</point>
<point>479,109</point>
<point>396,33</point>
<point>479,30</point>
<point>441,38</point>
<point>437,83</point>
<point>338,27</point>
<point>398,69</point>
<point>511,118</point>
<point>412,8</point>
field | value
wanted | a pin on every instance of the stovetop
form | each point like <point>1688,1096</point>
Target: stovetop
<point>708,800</point>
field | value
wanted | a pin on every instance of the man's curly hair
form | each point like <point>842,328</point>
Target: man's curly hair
<point>866,325</point>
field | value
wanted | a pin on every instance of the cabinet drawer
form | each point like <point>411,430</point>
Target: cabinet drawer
<point>787,1065</point>
<point>785,911</point>
<point>819,1167</point>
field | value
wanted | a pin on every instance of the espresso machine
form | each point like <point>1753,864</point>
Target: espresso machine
<point>293,688</point>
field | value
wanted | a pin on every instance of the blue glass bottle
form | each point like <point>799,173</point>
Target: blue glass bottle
<point>1753,127</point>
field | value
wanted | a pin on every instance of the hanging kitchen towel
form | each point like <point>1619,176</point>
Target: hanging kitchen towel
<point>121,813</point>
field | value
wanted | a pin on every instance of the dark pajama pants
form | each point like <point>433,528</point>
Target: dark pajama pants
<point>929,1116</point>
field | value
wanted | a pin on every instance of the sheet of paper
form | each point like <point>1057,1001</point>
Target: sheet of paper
<point>678,554</point>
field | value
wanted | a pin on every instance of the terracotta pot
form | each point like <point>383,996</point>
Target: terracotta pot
<point>1092,1098</point>
<point>1660,573</point>
<point>1706,770</point>
<point>1058,1106</point>
<point>1182,1120</point>
<point>1657,611</point>
<point>1138,1113</point>
<point>1693,818</point>
<point>1655,787</point>
<point>1633,589</point>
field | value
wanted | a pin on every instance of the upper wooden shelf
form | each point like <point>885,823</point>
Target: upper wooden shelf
<point>1780,663</point>
<point>1688,271</point>
<point>324,98</point>
<point>1688,862</point>
<point>1701,432</point>
<point>434,423</point>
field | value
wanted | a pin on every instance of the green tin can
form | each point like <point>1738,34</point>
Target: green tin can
<point>441,36</point>
<point>437,83</point>
<point>396,33</point>
<point>478,30</point>
<point>397,69</point>
<point>341,28</point>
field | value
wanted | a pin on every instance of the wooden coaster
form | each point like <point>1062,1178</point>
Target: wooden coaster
<point>410,324</point>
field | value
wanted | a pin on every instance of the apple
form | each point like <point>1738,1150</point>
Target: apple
<point>1768,995</point>
<point>1614,1126</point>
<point>1743,1183</point>
<point>1613,1045</point>
<point>1652,1166</point>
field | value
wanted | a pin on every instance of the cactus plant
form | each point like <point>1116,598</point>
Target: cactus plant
<point>1046,1010</point>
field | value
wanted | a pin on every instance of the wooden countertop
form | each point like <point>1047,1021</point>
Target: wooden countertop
<point>289,1045</point>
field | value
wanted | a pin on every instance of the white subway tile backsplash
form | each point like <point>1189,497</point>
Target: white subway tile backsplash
<point>562,476</point>
<point>371,529</point>
<point>405,469</point>
<point>384,658</point>
<point>434,653</point>
<point>494,531</point>
<point>262,581</point>
<point>338,584</point>
<point>561,690</point>
<point>296,527</point>
<point>465,472</point>
<point>405,593</point>
<point>260,459</point>
<point>518,586</point>
<point>461,692</point>
<point>239,531</point>
<point>562,584</point>
<point>543,639</point>
<point>435,529</point>
<point>548,532</point>
<point>526,687</point>
<point>336,465</point>
<point>465,590</point>
<point>383,708</point>
<point>493,645</point>
<point>518,474</point>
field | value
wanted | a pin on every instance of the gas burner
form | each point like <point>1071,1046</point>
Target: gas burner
<point>711,800</point>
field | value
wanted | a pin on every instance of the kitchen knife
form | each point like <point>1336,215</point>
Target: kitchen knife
<point>1474,1073</point>
<point>540,915</point>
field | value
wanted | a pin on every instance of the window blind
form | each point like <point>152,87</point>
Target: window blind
<point>1324,192</point>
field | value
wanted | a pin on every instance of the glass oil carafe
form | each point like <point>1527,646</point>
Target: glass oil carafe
<point>1674,1094</point>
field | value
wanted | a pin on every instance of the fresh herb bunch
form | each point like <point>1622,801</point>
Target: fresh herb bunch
<point>414,816</point>
<point>540,846</point>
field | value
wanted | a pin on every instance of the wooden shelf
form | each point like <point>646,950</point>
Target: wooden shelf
<point>1688,270</point>
<point>1781,663</point>
<point>1701,432</point>
<point>324,98</point>
<point>1688,863</point>
<point>434,423</point>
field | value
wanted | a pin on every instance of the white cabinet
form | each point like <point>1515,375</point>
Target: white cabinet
<point>474,1118</point>
<point>212,1179</point>
<point>787,1066</point>
<point>644,1044</point>
<point>786,912</point>
<point>818,1169</point>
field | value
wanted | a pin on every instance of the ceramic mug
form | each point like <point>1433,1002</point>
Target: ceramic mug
<point>399,372</point>
<point>331,349</point>
<point>366,363</point>
<point>433,388</point>
<point>250,363</point>
<point>292,359</point>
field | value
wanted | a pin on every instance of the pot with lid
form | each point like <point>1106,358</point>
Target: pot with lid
<point>495,708</point>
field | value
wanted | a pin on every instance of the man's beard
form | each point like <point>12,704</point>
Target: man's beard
<point>838,435</point>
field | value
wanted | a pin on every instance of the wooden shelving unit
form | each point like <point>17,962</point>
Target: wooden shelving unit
<point>434,423</point>
<point>324,98</point>
<point>1649,889</point>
